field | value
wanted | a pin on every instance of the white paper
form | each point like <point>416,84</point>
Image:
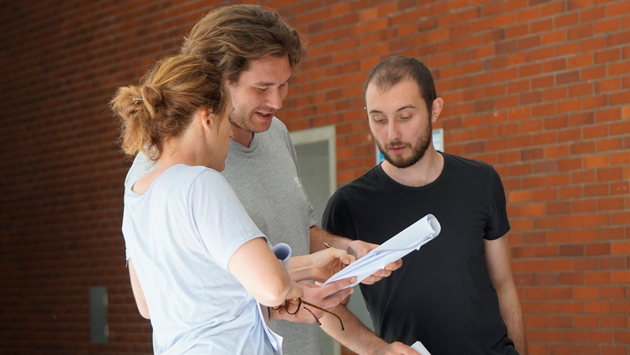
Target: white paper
<point>403,243</point>
<point>283,253</point>
<point>417,346</point>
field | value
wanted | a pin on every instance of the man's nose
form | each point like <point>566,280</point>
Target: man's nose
<point>274,99</point>
<point>393,130</point>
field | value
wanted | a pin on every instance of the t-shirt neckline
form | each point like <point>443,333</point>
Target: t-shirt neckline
<point>445,170</point>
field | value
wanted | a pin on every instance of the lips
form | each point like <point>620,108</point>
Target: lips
<point>264,115</point>
<point>396,149</point>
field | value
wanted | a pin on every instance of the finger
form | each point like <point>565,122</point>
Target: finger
<point>342,255</point>
<point>393,266</point>
<point>400,348</point>
<point>336,286</point>
<point>371,280</point>
<point>336,298</point>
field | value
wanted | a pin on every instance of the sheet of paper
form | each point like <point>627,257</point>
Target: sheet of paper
<point>417,346</point>
<point>403,243</point>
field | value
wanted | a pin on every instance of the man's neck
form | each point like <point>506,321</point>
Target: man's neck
<point>241,136</point>
<point>423,172</point>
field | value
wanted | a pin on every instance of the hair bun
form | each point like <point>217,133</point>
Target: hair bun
<point>153,98</point>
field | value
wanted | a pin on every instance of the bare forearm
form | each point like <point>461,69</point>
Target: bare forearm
<point>512,315</point>
<point>320,238</point>
<point>300,268</point>
<point>356,336</point>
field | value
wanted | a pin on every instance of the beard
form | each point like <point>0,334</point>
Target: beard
<point>244,121</point>
<point>417,150</point>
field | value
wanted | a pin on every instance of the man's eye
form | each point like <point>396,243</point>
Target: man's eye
<point>261,89</point>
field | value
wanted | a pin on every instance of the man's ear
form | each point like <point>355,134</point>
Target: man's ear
<point>438,103</point>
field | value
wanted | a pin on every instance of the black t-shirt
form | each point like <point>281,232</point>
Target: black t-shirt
<point>442,295</point>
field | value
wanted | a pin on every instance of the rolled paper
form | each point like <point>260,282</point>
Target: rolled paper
<point>283,253</point>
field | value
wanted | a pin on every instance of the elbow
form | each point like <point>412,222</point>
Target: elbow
<point>275,293</point>
<point>145,315</point>
<point>144,311</point>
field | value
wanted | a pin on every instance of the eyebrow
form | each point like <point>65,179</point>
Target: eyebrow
<point>400,109</point>
<point>266,83</point>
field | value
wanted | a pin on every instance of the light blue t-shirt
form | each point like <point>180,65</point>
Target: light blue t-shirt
<point>266,181</point>
<point>180,236</point>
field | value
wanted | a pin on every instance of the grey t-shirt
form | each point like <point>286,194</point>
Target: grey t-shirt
<point>266,181</point>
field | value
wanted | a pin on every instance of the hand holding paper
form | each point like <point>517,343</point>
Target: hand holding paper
<point>359,249</point>
<point>403,243</point>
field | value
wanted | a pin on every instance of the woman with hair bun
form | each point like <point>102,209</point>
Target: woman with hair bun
<point>198,264</point>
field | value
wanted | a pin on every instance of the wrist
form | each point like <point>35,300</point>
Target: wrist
<point>340,243</point>
<point>299,267</point>
<point>295,291</point>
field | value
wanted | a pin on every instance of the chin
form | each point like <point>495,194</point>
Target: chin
<point>262,126</point>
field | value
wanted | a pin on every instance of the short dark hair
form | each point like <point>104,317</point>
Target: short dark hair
<point>393,70</point>
<point>230,37</point>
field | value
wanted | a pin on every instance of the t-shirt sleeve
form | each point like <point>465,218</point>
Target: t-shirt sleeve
<point>220,219</point>
<point>337,218</point>
<point>498,224</point>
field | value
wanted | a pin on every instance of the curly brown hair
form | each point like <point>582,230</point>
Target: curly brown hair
<point>230,37</point>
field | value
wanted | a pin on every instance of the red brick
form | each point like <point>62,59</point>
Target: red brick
<point>583,235</point>
<point>612,263</point>
<point>613,292</point>
<point>608,55</point>
<point>593,73</point>
<point>573,307</point>
<point>559,265</point>
<point>584,176</point>
<point>583,321</point>
<point>598,307</point>
<point>580,119</point>
<point>582,89</point>
<point>597,249</point>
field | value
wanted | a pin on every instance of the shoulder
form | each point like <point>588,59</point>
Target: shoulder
<point>206,176</point>
<point>186,178</point>
<point>469,166</point>
<point>367,181</point>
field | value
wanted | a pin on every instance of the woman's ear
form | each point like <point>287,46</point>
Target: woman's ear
<point>206,118</point>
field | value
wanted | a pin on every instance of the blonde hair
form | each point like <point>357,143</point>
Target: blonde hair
<point>230,37</point>
<point>163,104</point>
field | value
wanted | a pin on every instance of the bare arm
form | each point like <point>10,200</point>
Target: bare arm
<point>137,292</point>
<point>325,297</point>
<point>319,266</point>
<point>500,270</point>
<point>358,338</point>
<point>263,276</point>
<point>320,238</point>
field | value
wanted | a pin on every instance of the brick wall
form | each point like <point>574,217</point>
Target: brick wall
<point>539,89</point>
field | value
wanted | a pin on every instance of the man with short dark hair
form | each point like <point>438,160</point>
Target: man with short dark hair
<point>456,294</point>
